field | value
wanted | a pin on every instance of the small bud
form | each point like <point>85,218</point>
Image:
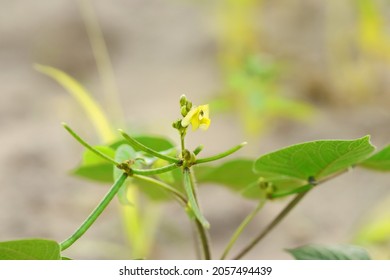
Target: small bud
<point>183,100</point>
<point>189,105</point>
<point>186,154</point>
<point>183,111</point>
<point>176,124</point>
<point>188,158</point>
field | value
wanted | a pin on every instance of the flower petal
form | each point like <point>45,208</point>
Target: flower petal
<point>204,123</point>
<point>187,119</point>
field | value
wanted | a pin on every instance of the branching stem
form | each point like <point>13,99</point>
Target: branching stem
<point>135,144</point>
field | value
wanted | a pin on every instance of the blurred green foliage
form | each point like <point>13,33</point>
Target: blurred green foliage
<point>251,78</point>
<point>374,233</point>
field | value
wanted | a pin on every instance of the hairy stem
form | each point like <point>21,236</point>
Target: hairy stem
<point>274,223</point>
<point>95,213</point>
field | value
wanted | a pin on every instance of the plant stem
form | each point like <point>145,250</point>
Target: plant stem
<point>221,155</point>
<point>241,227</point>
<point>204,240</point>
<point>154,171</point>
<point>95,213</point>
<point>135,144</point>
<point>190,188</point>
<point>89,147</point>
<point>182,144</point>
<point>192,200</point>
<point>274,223</point>
<point>201,227</point>
<point>164,186</point>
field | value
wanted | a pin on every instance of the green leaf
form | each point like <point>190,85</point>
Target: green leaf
<point>100,172</point>
<point>30,249</point>
<point>336,252</point>
<point>94,167</point>
<point>151,190</point>
<point>90,158</point>
<point>235,174</point>
<point>291,169</point>
<point>379,161</point>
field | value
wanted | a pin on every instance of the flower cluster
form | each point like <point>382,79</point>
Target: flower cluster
<point>197,116</point>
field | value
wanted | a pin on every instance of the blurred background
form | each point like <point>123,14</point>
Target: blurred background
<point>275,73</point>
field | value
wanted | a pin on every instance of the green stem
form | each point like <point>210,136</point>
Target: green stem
<point>198,149</point>
<point>95,213</point>
<point>89,147</point>
<point>135,144</point>
<point>154,171</point>
<point>204,240</point>
<point>164,186</point>
<point>304,188</point>
<point>242,226</point>
<point>200,222</point>
<point>274,223</point>
<point>221,155</point>
<point>189,188</point>
<point>182,144</point>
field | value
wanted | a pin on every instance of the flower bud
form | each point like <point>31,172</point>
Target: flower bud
<point>183,111</point>
<point>189,105</point>
<point>183,100</point>
<point>176,124</point>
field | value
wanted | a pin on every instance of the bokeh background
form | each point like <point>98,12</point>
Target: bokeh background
<point>274,72</point>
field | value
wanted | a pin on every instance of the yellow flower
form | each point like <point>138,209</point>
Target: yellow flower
<point>198,117</point>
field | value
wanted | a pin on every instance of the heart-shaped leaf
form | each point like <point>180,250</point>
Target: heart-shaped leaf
<point>30,249</point>
<point>290,169</point>
<point>336,252</point>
